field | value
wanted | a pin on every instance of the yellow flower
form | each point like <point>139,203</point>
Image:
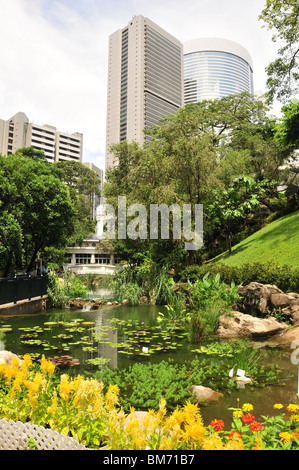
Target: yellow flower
<point>235,443</point>
<point>285,436</point>
<point>112,396</point>
<point>292,408</point>
<point>295,434</point>
<point>258,444</point>
<point>190,412</point>
<point>52,409</point>
<point>194,432</point>
<point>47,366</point>
<point>213,442</point>
<point>278,406</point>
<point>26,363</point>
<point>238,414</point>
<point>165,444</point>
<point>18,381</point>
<point>247,407</point>
<point>15,362</point>
<point>86,392</point>
<point>177,417</point>
<point>65,387</point>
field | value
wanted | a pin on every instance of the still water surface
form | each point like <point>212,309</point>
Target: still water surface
<point>113,324</point>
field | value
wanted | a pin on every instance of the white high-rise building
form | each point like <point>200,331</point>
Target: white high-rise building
<point>18,132</point>
<point>145,81</point>
<point>214,68</point>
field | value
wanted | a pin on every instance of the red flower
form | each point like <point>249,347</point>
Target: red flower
<point>217,424</point>
<point>233,434</point>
<point>248,419</point>
<point>255,427</point>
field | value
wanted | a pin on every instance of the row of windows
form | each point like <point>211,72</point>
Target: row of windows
<point>158,50</point>
<point>218,67</point>
<point>44,143</point>
<point>162,74</point>
<point>124,86</point>
<point>221,84</point>
<point>162,41</point>
<point>202,61</point>
<point>43,137</point>
<point>209,74</point>
<point>217,61</point>
<point>69,150</point>
<point>85,258</point>
<point>155,109</point>
<point>225,55</point>
<point>214,80</point>
<point>38,129</point>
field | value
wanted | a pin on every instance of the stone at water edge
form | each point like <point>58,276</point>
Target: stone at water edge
<point>204,394</point>
<point>243,325</point>
<point>6,358</point>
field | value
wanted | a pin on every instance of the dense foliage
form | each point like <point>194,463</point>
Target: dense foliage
<point>40,208</point>
<point>225,154</point>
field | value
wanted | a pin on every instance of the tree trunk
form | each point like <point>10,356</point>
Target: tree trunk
<point>32,262</point>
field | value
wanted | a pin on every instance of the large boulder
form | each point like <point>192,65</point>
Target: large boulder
<point>258,299</point>
<point>255,297</point>
<point>291,313</point>
<point>240,324</point>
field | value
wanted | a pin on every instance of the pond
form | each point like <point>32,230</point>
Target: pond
<point>118,336</point>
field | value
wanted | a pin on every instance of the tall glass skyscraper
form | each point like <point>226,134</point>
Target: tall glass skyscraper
<point>214,68</point>
<point>145,81</point>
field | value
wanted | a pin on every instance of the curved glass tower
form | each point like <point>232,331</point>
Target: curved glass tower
<point>214,68</point>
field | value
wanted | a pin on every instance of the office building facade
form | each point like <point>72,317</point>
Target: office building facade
<point>18,132</point>
<point>214,68</point>
<point>145,81</point>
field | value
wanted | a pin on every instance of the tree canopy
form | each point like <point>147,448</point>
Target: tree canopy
<point>282,17</point>
<point>195,157</point>
<point>43,207</point>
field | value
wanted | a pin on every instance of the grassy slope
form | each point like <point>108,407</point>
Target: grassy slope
<point>277,242</point>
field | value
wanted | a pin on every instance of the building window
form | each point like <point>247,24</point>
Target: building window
<point>68,258</point>
<point>102,259</point>
<point>83,258</point>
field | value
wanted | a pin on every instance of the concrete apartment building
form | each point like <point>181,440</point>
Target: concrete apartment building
<point>18,132</point>
<point>145,81</point>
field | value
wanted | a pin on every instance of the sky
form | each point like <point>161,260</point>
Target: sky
<point>54,54</point>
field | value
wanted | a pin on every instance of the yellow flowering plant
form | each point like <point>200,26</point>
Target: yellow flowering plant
<point>78,407</point>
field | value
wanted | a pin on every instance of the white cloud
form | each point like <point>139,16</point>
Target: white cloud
<point>54,53</point>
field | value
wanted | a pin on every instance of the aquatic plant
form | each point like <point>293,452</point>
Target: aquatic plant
<point>203,290</point>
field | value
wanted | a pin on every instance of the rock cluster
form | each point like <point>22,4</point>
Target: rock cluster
<point>258,302</point>
<point>88,304</point>
<point>259,299</point>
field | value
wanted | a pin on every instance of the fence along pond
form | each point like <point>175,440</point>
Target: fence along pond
<point>19,288</point>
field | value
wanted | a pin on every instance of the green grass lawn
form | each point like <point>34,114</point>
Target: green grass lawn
<point>277,242</point>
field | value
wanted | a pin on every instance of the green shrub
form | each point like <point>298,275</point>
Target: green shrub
<point>205,320</point>
<point>209,288</point>
<point>74,286</point>
<point>125,286</point>
<point>55,291</point>
<point>284,277</point>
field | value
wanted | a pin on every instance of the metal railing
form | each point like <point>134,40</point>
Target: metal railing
<point>19,288</point>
